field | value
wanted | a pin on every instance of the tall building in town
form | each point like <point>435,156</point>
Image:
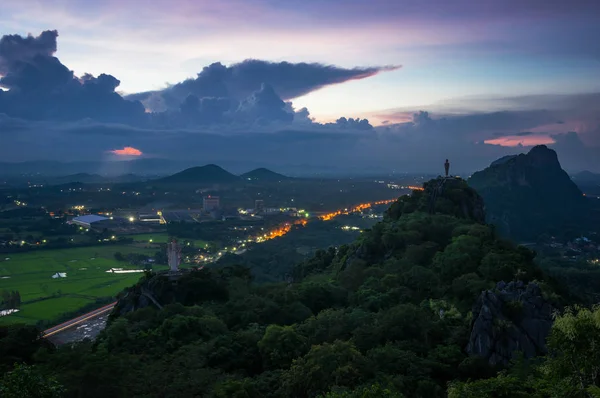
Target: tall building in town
<point>259,206</point>
<point>211,203</point>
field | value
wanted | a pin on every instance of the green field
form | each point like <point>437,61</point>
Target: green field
<point>163,237</point>
<point>44,298</point>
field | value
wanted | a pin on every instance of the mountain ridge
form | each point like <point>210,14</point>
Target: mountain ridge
<point>264,174</point>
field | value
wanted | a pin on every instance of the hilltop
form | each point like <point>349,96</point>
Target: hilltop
<point>263,174</point>
<point>530,194</point>
<point>209,174</point>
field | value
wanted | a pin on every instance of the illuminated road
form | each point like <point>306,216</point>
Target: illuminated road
<point>83,326</point>
<point>357,208</point>
<point>90,324</point>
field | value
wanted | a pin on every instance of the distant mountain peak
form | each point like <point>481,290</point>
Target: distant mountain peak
<point>208,174</point>
<point>542,156</point>
<point>264,174</point>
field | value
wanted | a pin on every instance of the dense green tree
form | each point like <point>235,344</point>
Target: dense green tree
<point>373,391</point>
<point>281,345</point>
<point>325,366</point>
<point>27,382</point>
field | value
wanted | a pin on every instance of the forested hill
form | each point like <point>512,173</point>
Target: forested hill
<point>391,315</point>
<point>530,194</point>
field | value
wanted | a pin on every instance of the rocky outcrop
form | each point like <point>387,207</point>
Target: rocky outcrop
<point>512,318</point>
<point>530,194</point>
<point>142,295</point>
<point>187,287</point>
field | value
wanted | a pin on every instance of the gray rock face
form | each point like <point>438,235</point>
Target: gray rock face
<point>513,318</point>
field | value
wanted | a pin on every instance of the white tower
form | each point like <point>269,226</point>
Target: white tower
<point>173,255</point>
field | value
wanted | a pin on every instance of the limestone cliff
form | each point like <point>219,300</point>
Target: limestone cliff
<point>512,318</point>
<point>530,194</point>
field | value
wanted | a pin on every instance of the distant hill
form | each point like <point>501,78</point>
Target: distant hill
<point>263,174</point>
<point>209,174</point>
<point>530,194</point>
<point>152,166</point>
<point>586,177</point>
<point>79,177</point>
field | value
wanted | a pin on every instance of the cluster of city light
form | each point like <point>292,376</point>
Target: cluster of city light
<point>348,228</point>
<point>415,188</point>
<point>79,207</point>
<point>357,208</point>
<point>19,203</point>
<point>280,231</point>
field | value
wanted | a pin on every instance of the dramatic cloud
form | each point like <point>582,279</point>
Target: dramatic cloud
<point>242,79</point>
<point>242,114</point>
<point>243,95</point>
<point>264,106</point>
<point>40,87</point>
<point>352,124</point>
<point>127,151</point>
<point>522,140</point>
<point>418,147</point>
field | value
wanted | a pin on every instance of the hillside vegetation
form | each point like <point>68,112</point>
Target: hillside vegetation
<point>386,316</point>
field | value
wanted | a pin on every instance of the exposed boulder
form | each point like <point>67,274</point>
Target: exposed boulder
<point>188,287</point>
<point>512,318</point>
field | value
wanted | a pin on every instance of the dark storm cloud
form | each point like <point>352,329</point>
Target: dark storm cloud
<point>42,88</point>
<point>246,94</point>
<point>263,106</point>
<point>418,149</point>
<point>353,124</point>
<point>16,51</point>
<point>240,80</point>
<point>204,111</point>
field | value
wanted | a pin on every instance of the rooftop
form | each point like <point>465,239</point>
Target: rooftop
<point>90,218</point>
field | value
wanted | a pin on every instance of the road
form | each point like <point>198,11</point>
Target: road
<point>90,324</point>
<point>79,320</point>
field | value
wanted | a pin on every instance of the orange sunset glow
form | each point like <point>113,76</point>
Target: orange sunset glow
<point>515,140</point>
<point>127,151</point>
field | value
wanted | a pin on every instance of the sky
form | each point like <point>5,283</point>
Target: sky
<point>464,79</point>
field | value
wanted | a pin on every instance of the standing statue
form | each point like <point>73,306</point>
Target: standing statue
<point>173,255</point>
<point>447,167</point>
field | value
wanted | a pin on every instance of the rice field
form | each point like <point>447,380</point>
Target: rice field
<point>80,278</point>
<point>162,237</point>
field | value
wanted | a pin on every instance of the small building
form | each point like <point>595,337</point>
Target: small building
<point>211,203</point>
<point>87,220</point>
<point>149,217</point>
<point>259,206</point>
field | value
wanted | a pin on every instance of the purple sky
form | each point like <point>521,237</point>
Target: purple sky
<point>448,49</point>
<point>459,57</point>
